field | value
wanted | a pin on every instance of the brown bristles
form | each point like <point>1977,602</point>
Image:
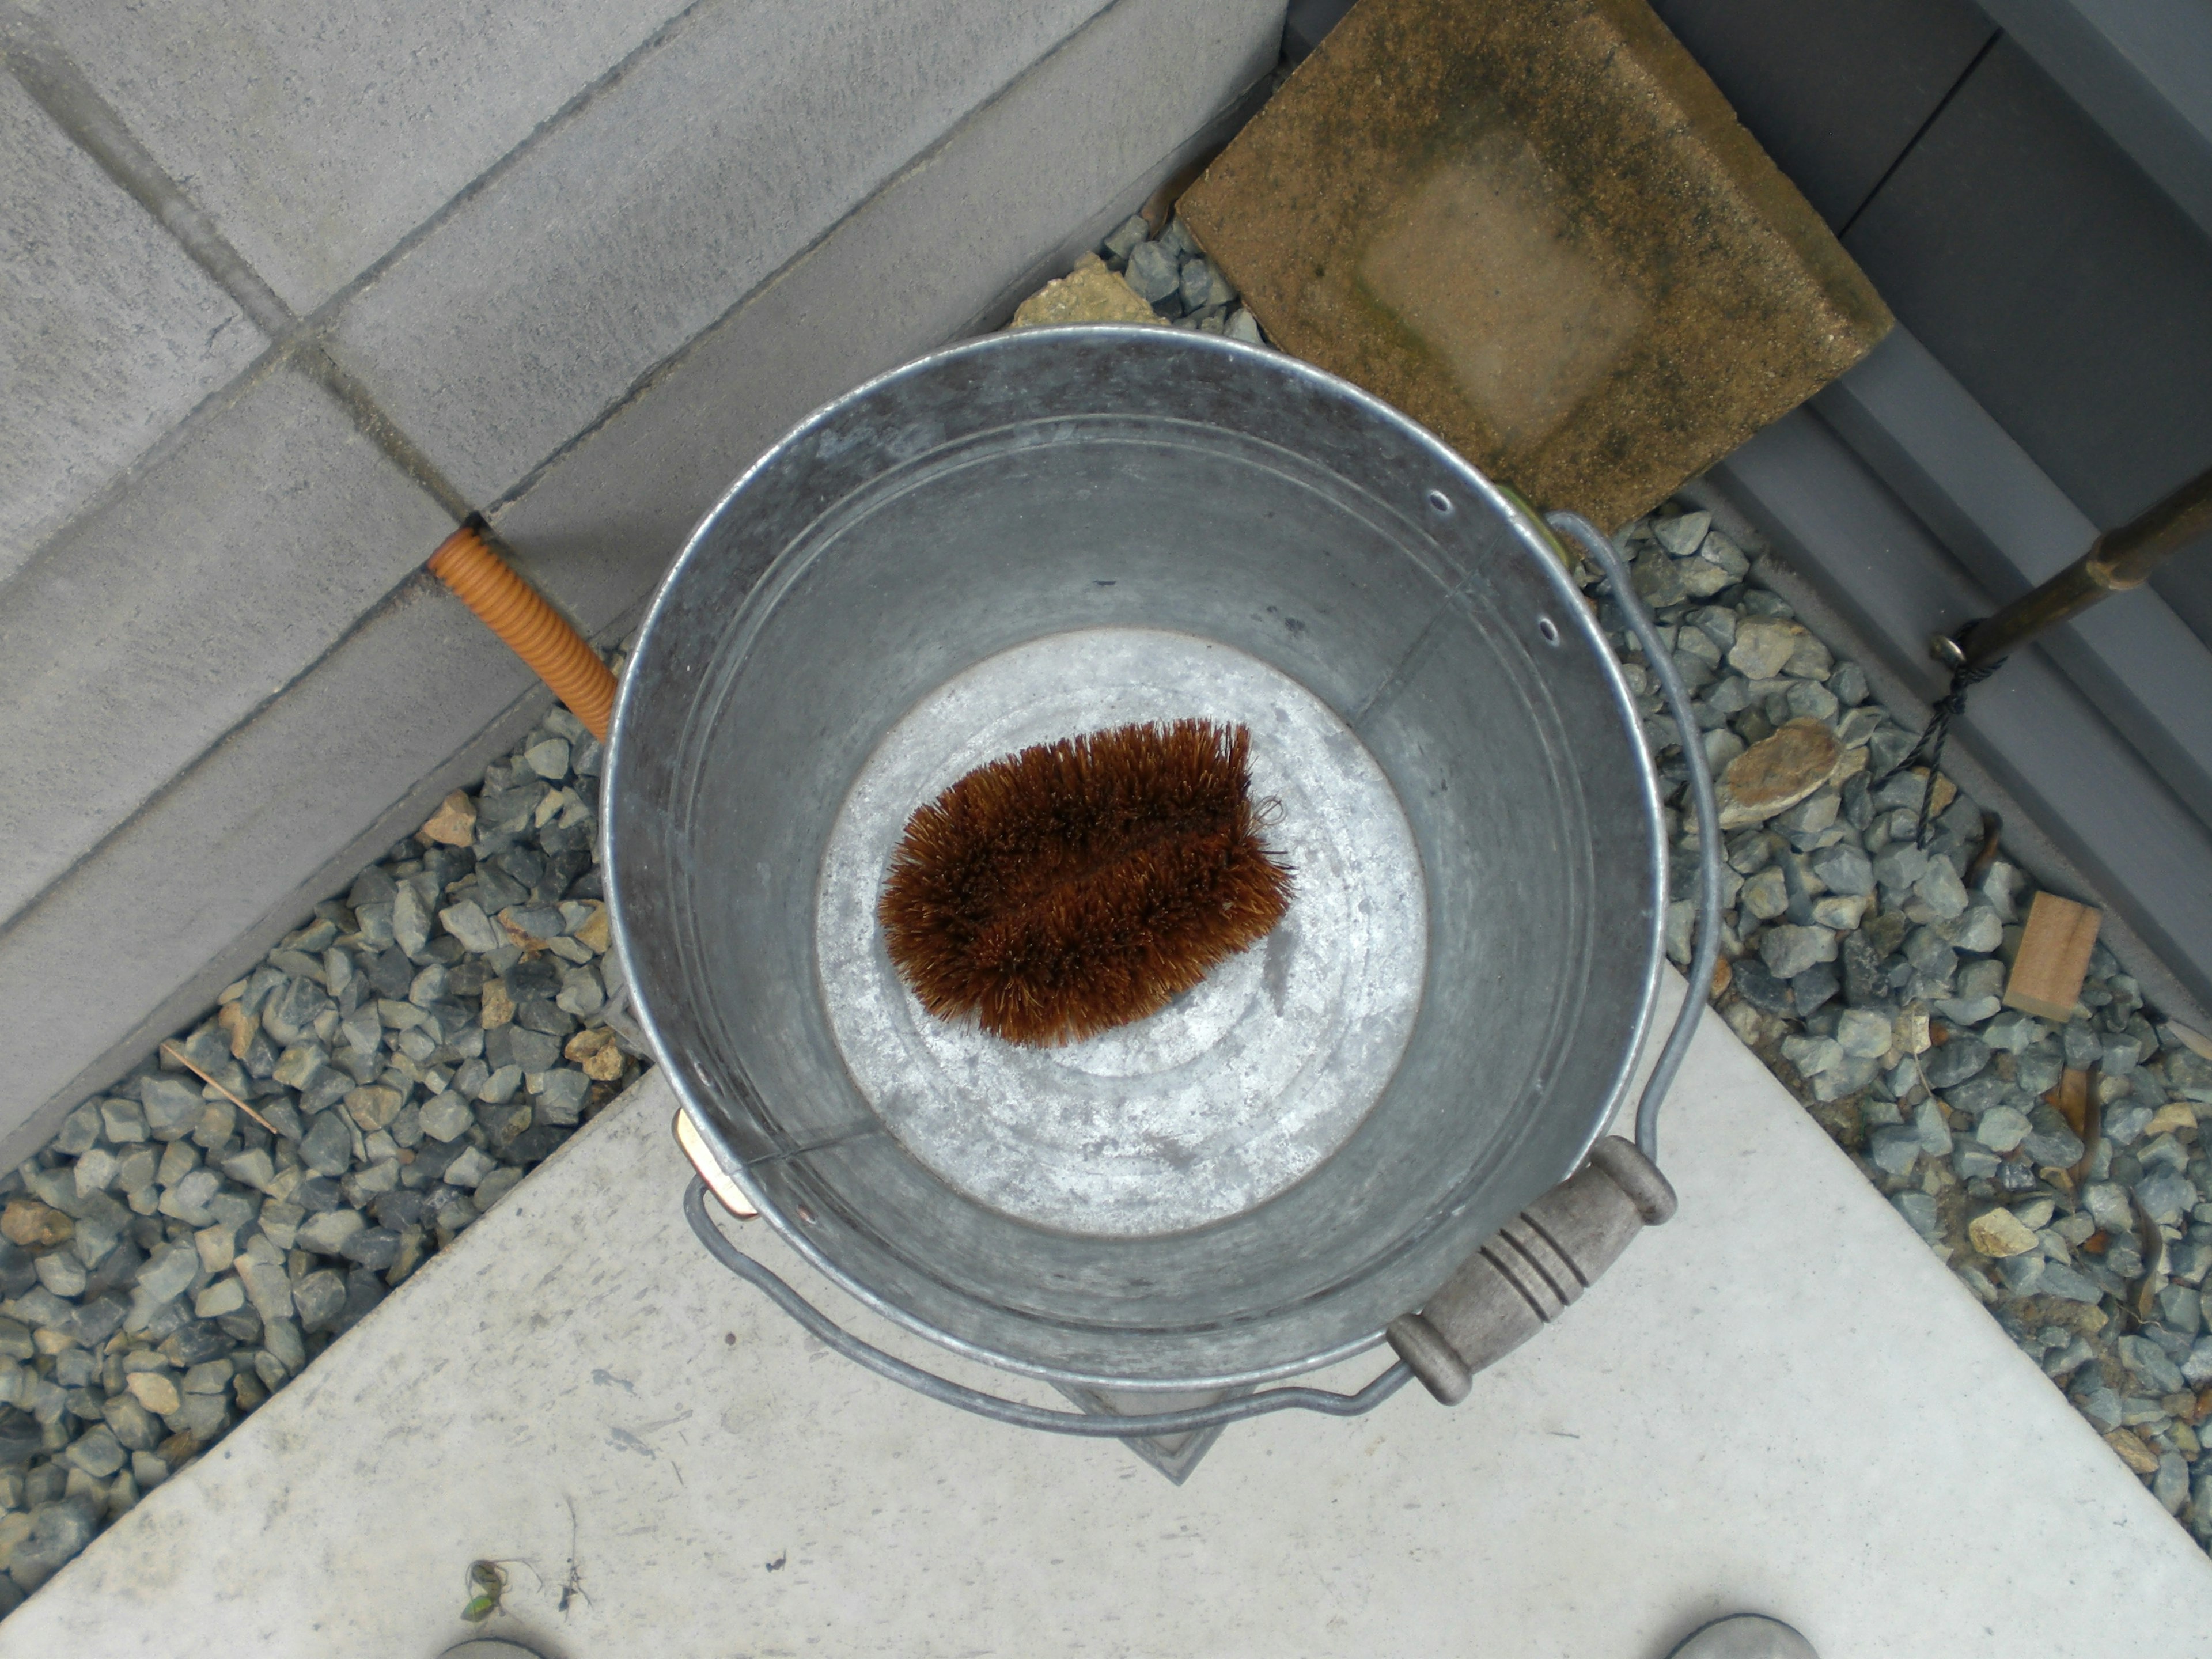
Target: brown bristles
<point>1081,885</point>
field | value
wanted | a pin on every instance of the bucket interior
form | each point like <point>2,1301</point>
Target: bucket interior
<point>1048,532</point>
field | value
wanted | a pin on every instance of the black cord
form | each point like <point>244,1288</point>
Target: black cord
<point>1930,747</point>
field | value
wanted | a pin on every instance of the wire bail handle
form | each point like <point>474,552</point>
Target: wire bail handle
<point>1444,1371</point>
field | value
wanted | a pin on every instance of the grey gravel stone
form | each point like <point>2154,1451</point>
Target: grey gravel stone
<point>59,1532</point>
<point>1966,1010</point>
<point>534,1051</point>
<point>561,1095</point>
<point>476,931</point>
<point>172,1108</point>
<point>1759,988</point>
<point>2181,1308</point>
<point>1125,237</point>
<point>1941,889</point>
<point>2197,1369</point>
<point>1897,866</point>
<point>1935,1133</point>
<point>1682,535</point>
<point>470,1167</point>
<point>2014,1032</point>
<point>1971,1161</point>
<point>1789,951</point>
<point>224,1296</point>
<point>1659,580</point>
<point>1895,1150</point>
<point>318,1297</point>
<point>446,1117</point>
<point>2036,1074</point>
<point>1978,929</point>
<point>301,1065</point>
<point>1812,1056</point>
<point>1919,1210</point>
<point>167,1273</point>
<point>2166,1196</point>
<point>1925,949</point>
<point>410,921</point>
<point>1955,1061</point>
<point>1845,870</point>
<point>1765,895</point>
<point>372,1108</point>
<point>1153,271</point>
<point>2101,1405</point>
<point>2050,1142</point>
<point>187,1200</point>
<point>1814,988</point>
<point>549,758</point>
<point>123,1121</point>
<point>62,1273</point>
<point>373,1248</point>
<point>1762,647</point>
<point>1810,699</point>
<point>582,993</point>
<point>2150,1363</point>
<point>2125,1124</point>
<point>328,1148</point>
<point>289,1015</point>
<point>327,1233</point>
<point>1977,982</point>
<point>2069,1285</point>
<point>79,1131</point>
<point>2171,1484</point>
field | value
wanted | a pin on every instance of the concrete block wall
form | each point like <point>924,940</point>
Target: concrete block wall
<point>287,287</point>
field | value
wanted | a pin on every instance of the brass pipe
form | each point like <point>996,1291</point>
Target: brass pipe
<point>2118,560</point>
<point>533,630</point>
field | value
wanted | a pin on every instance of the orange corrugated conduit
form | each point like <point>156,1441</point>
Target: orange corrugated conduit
<point>536,632</point>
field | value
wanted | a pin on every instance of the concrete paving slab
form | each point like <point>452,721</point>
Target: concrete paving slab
<point>108,333</point>
<point>318,136</point>
<point>136,941</point>
<point>718,157</point>
<point>167,614</point>
<point>1779,1401</point>
<point>137,938</point>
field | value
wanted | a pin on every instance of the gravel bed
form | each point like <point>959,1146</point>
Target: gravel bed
<point>1869,973</point>
<point>191,1239</point>
<point>197,1235</point>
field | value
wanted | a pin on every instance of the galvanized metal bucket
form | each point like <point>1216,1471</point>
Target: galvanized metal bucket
<point>1057,531</point>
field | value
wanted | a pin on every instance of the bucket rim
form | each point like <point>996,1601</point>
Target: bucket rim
<point>1526,524</point>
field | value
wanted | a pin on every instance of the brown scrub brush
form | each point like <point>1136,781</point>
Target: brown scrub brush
<point>1081,885</point>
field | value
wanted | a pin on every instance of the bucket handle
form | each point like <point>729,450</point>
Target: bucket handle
<point>1660,661</point>
<point>947,1392</point>
<point>1535,1266</point>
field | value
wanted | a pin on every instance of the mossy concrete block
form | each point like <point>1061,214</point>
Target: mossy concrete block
<point>1536,227</point>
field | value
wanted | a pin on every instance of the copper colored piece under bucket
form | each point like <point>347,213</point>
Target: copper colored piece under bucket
<point>533,630</point>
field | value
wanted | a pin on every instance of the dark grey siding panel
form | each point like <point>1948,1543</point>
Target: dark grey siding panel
<point>2186,585</point>
<point>1834,89</point>
<point>2060,286</point>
